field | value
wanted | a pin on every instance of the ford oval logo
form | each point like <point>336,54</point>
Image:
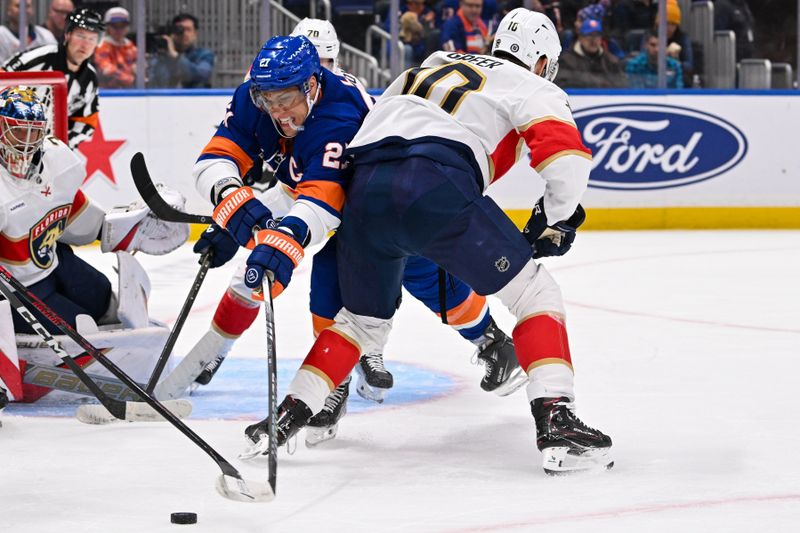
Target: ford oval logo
<point>650,146</point>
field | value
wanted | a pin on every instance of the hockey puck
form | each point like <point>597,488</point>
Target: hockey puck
<point>183,518</point>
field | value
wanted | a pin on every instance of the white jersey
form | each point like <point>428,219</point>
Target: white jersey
<point>494,108</point>
<point>37,213</point>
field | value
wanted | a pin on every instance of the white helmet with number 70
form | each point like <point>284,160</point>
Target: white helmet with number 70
<point>323,36</point>
<point>529,36</point>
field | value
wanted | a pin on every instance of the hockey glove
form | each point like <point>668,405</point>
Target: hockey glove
<point>223,247</point>
<point>239,212</point>
<point>552,240</point>
<point>276,252</point>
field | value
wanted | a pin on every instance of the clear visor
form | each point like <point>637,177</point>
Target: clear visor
<point>274,101</point>
<point>19,142</point>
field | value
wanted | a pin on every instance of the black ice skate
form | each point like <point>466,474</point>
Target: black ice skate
<point>374,381</point>
<point>323,425</point>
<point>210,369</point>
<point>567,444</point>
<point>293,414</point>
<point>502,374</point>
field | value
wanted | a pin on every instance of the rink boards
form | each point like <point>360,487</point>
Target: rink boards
<point>700,159</point>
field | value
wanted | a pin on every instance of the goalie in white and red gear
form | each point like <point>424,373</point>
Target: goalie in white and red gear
<point>43,211</point>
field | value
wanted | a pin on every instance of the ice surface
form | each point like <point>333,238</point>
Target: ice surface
<point>687,352</point>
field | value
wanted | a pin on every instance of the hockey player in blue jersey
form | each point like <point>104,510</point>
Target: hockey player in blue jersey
<point>308,115</point>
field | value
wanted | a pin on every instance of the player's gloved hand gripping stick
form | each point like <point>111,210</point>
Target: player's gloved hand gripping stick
<point>552,240</point>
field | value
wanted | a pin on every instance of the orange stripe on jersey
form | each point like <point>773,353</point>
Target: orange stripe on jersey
<point>79,203</point>
<point>550,137</point>
<point>325,191</point>
<point>93,120</point>
<point>467,311</point>
<point>541,339</point>
<point>506,154</point>
<point>319,323</point>
<point>14,251</point>
<point>227,148</point>
<point>332,357</point>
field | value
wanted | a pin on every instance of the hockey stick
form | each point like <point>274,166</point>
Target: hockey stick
<point>122,410</point>
<point>230,483</point>
<point>205,262</point>
<point>160,208</point>
<point>63,379</point>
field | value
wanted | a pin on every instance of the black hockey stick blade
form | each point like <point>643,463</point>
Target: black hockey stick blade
<point>160,208</point>
<point>205,262</point>
<point>239,491</point>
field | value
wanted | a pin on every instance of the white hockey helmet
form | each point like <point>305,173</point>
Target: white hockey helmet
<point>322,35</point>
<point>529,35</point>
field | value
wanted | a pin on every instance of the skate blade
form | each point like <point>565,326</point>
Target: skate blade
<point>515,382</point>
<point>315,436</point>
<point>239,490</point>
<point>562,460</point>
<point>373,394</point>
<point>255,450</point>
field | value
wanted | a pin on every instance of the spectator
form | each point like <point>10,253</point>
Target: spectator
<point>587,64</point>
<point>181,63</point>
<point>411,34</point>
<point>735,15</point>
<point>57,17</point>
<point>9,34</point>
<point>426,15</point>
<point>642,70</point>
<point>466,32</point>
<point>596,12</point>
<point>679,46</point>
<point>115,57</point>
<point>633,15</point>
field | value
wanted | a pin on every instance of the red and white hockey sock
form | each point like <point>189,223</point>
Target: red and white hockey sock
<point>328,364</point>
<point>542,348</point>
<point>234,314</point>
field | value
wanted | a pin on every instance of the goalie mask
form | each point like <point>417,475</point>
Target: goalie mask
<point>22,130</point>
<point>529,36</point>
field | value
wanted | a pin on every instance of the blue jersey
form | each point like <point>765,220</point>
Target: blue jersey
<point>315,165</point>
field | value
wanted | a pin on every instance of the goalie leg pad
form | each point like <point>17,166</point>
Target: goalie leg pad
<point>133,293</point>
<point>10,375</point>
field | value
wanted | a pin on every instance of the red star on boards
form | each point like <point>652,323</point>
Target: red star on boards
<point>98,152</point>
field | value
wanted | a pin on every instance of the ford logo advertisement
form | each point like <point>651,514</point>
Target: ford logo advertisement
<point>650,146</point>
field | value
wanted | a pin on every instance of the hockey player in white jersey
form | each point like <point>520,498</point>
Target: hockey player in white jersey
<point>42,212</point>
<point>438,137</point>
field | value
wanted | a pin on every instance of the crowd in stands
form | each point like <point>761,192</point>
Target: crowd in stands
<point>606,43</point>
<point>174,60</point>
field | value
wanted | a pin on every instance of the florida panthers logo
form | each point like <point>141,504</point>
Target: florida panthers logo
<point>44,235</point>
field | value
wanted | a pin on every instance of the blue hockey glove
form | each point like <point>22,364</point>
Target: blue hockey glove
<point>220,242</point>
<point>552,240</point>
<point>240,213</point>
<point>277,252</point>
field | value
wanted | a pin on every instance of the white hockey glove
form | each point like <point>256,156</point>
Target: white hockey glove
<point>133,227</point>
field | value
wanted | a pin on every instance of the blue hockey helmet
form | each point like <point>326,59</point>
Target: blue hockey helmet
<point>23,124</point>
<point>284,62</point>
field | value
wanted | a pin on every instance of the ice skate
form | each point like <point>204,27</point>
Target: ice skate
<point>502,374</point>
<point>567,444</point>
<point>323,425</point>
<point>293,414</point>
<point>214,348</point>
<point>374,381</point>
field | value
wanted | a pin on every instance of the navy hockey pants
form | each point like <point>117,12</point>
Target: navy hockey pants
<point>416,206</point>
<point>73,288</point>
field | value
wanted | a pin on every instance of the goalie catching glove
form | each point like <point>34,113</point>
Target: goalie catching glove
<point>134,227</point>
<point>552,240</point>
